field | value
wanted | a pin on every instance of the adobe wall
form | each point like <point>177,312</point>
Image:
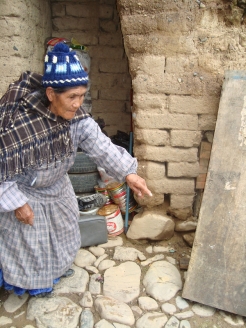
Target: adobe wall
<point>95,24</point>
<point>24,25</point>
<point>178,52</point>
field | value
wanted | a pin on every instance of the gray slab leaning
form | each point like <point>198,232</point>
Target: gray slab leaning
<point>216,273</point>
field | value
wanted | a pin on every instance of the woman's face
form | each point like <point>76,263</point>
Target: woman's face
<point>67,103</point>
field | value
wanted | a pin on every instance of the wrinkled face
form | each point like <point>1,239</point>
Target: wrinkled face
<point>67,103</point>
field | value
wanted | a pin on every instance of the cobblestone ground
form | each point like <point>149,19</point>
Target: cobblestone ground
<point>114,286</point>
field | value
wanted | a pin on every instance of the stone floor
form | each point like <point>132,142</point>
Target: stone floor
<point>120,284</point>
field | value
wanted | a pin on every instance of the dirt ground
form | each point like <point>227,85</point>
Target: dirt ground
<point>181,251</point>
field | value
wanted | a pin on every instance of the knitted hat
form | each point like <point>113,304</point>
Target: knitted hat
<point>62,68</point>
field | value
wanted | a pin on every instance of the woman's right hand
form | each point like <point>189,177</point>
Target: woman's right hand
<point>25,214</point>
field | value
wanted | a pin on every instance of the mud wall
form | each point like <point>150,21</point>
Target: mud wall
<point>178,52</point>
<point>96,24</point>
<point>24,26</point>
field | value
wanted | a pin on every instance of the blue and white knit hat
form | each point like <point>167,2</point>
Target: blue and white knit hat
<point>62,68</point>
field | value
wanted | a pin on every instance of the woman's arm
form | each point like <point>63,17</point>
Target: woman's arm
<point>116,161</point>
<point>12,199</point>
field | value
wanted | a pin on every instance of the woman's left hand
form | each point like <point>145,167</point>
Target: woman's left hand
<point>138,185</point>
<point>25,214</point>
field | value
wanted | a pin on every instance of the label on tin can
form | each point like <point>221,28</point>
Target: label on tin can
<point>114,220</point>
<point>115,223</point>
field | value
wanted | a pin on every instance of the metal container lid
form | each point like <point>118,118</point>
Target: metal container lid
<point>107,210</point>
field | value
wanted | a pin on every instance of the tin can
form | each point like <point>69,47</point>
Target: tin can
<point>118,194</point>
<point>104,192</point>
<point>120,198</point>
<point>112,213</point>
<point>116,188</point>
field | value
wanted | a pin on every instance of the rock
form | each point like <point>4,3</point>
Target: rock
<point>117,241</point>
<point>168,308</point>
<point>95,284</point>
<point>91,269</point>
<point>119,325</point>
<point>161,249</point>
<point>122,282</point>
<point>203,310</point>
<point>184,315</point>
<point>209,135</point>
<point>111,309</point>
<point>155,200</point>
<point>127,254</point>
<point>152,225</point>
<point>236,320</point>
<point>97,251</point>
<point>103,324</point>
<point>100,259</point>
<point>185,225</point>
<point>184,324</point>
<point>106,264</point>
<point>84,258</point>
<point>180,213</point>
<point>162,281</point>
<point>171,260</point>
<point>147,303</point>
<point>181,303</point>
<point>141,256</point>
<point>14,302</point>
<point>5,321</point>
<point>149,249</point>
<point>86,319</point>
<point>189,238</point>
<point>153,259</point>
<point>137,310</point>
<point>86,300</point>
<point>19,314</point>
<point>152,320</point>
<point>54,312</point>
<point>172,323</point>
<point>74,284</point>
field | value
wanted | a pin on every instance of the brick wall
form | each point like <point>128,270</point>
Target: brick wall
<point>96,24</point>
<point>178,51</point>
<point>24,26</point>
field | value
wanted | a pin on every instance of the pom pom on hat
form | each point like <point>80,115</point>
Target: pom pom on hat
<point>62,68</point>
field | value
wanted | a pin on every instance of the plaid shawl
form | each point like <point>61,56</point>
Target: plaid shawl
<point>30,134</point>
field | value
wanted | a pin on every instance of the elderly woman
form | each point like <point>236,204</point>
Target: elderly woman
<point>42,125</point>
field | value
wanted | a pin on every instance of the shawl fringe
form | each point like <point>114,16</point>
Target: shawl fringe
<point>46,150</point>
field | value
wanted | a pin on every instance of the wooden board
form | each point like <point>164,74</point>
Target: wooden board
<point>217,269</point>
